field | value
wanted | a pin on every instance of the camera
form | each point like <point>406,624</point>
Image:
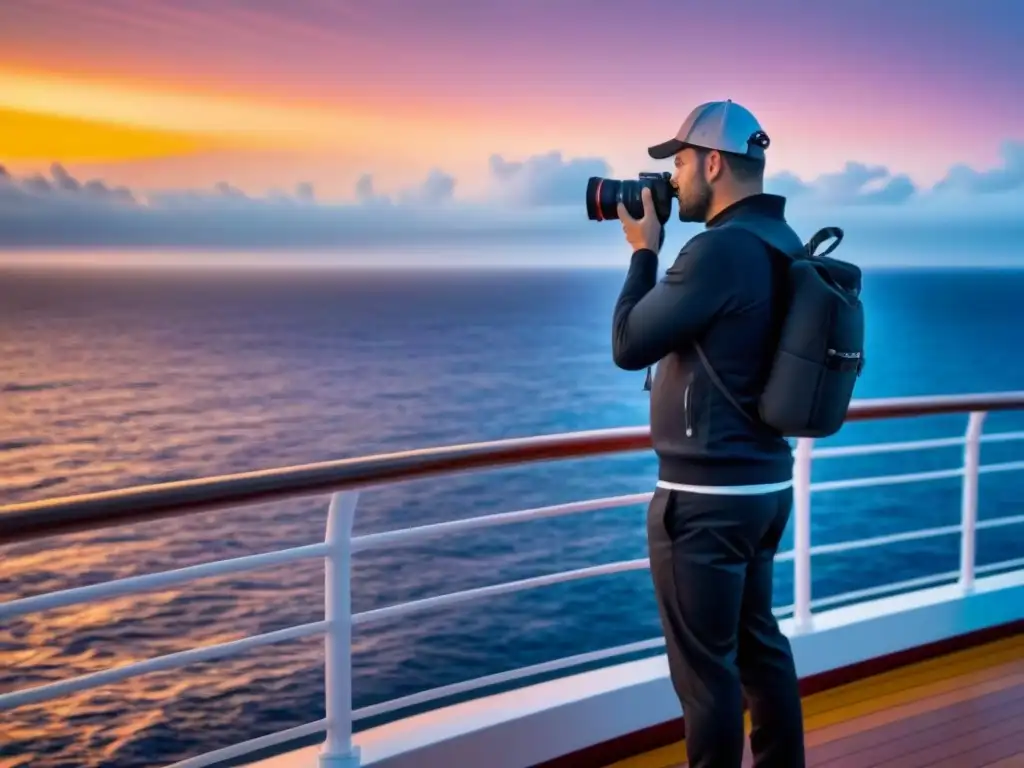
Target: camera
<point>604,195</point>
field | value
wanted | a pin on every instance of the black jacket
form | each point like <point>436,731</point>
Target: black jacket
<point>721,292</point>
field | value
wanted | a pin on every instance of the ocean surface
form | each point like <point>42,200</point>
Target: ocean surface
<point>116,378</point>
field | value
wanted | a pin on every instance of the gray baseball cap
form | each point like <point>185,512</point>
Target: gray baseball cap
<point>721,125</point>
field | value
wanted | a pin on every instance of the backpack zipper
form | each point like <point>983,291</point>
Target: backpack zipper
<point>686,408</point>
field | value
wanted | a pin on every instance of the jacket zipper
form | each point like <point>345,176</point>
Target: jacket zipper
<point>686,408</point>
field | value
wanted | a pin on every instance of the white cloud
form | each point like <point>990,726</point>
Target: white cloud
<point>543,179</point>
<point>535,212</point>
<point>856,184</point>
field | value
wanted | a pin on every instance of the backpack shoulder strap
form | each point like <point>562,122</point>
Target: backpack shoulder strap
<point>775,233</point>
<point>720,385</point>
<point>822,236</point>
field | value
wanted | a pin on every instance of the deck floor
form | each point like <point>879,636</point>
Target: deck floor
<point>963,710</point>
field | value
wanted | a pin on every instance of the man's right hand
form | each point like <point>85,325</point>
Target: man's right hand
<point>647,233</point>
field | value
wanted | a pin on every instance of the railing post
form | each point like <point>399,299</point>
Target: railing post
<point>802,533</point>
<point>969,501</point>
<point>338,750</point>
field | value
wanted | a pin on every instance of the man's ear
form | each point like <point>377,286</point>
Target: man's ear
<point>712,165</point>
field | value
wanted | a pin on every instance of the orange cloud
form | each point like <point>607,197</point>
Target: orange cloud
<point>33,137</point>
<point>136,105</point>
<point>160,120</point>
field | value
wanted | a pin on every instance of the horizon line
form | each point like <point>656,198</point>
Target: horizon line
<point>368,267</point>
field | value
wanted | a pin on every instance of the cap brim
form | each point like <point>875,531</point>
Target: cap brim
<point>666,149</point>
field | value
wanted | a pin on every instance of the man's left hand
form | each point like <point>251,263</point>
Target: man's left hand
<point>645,233</point>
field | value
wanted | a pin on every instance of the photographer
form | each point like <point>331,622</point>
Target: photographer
<point>724,492</point>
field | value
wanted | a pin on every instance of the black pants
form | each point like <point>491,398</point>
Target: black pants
<point>711,562</point>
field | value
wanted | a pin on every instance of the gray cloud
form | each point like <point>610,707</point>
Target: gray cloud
<point>535,203</point>
<point>365,193</point>
<point>544,179</point>
<point>61,191</point>
<point>226,197</point>
<point>437,189</point>
<point>856,184</point>
<point>1009,177</point>
<point>64,212</point>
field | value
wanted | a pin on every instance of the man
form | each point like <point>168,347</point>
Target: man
<point>724,492</point>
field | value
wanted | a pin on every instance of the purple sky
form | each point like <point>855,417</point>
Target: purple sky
<point>183,94</point>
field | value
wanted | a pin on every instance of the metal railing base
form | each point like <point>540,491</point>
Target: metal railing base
<point>349,760</point>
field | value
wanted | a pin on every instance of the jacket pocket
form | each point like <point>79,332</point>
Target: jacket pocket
<point>679,521</point>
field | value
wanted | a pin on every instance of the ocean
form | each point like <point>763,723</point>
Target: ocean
<point>113,378</point>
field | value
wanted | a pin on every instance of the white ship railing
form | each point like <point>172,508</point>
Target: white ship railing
<point>343,480</point>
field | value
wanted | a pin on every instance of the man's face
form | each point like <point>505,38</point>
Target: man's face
<point>692,187</point>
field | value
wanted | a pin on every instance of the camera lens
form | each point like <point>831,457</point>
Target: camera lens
<point>604,195</point>
<point>601,198</point>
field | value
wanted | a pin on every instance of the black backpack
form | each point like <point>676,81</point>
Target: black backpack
<point>820,352</point>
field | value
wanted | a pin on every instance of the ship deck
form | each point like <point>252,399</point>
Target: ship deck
<point>961,710</point>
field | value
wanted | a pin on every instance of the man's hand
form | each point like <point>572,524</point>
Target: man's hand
<point>645,233</point>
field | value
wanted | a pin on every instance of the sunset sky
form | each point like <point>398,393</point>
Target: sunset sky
<point>469,100</point>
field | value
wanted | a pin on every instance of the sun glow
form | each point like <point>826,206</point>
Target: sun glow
<point>158,118</point>
<point>33,137</point>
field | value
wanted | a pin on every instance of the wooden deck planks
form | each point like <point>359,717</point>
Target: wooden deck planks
<point>972,750</point>
<point>962,710</point>
<point>1013,761</point>
<point>917,740</point>
<point>914,683</point>
<point>976,685</point>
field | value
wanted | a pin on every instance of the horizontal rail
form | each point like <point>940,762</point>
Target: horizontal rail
<point>913,477</point>
<point>869,449</point>
<point>999,522</point>
<point>252,745</point>
<point>1004,466</point>
<point>508,587</point>
<point>33,520</point>
<point>877,480</point>
<point>159,664</point>
<point>406,535</point>
<point>909,584</point>
<point>881,541</point>
<point>152,581</point>
<point>465,686</point>
<point>924,533</point>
